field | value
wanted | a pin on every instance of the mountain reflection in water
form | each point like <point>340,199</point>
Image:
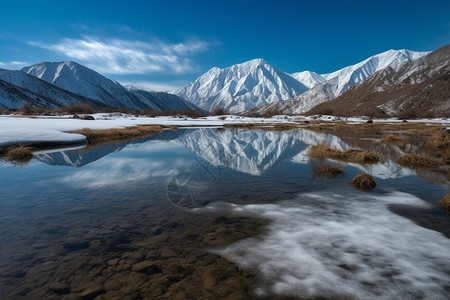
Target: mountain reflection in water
<point>134,218</point>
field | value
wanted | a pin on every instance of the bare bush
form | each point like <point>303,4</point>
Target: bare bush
<point>219,111</point>
<point>79,108</point>
<point>27,108</point>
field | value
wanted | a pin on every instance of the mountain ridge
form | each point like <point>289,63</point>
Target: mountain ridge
<point>339,81</point>
<point>241,86</point>
<point>53,84</point>
<point>418,88</point>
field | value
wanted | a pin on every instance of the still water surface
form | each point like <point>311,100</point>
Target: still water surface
<point>220,213</point>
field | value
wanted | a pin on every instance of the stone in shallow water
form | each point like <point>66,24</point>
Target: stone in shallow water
<point>146,267</point>
<point>59,288</point>
<point>92,292</point>
<point>75,244</point>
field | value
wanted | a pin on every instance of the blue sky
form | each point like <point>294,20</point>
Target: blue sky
<point>163,45</point>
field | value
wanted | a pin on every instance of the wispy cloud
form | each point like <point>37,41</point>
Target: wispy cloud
<point>15,65</point>
<point>118,56</point>
<point>170,86</point>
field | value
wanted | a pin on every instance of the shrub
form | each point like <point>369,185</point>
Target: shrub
<point>364,182</point>
<point>219,111</point>
<point>150,112</point>
<point>418,161</point>
<point>4,111</point>
<point>322,168</point>
<point>27,108</point>
<point>79,108</point>
<point>444,203</point>
<point>19,154</point>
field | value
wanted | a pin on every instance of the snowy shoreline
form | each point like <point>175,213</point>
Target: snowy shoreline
<point>53,130</point>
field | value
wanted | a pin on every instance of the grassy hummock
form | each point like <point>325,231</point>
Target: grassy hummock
<point>364,181</point>
<point>321,151</point>
<point>19,154</point>
<point>392,138</point>
<point>418,161</point>
<point>106,135</point>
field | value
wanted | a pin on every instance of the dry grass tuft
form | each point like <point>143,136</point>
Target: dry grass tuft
<point>244,125</point>
<point>444,203</point>
<point>418,161</point>
<point>322,168</point>
<point>285,126</point>
<point>364,182</point>
<point>105,135</point>
<point>392,138</point>
<point>19,154</point>
<point>441,142</point>
<point>321,151</point>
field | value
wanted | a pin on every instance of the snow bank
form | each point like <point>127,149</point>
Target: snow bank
<point>15,130</point>
<point>344,244</point>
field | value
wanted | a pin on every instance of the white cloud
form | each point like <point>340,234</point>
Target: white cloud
<point>117,56</point>
<point>117,171</point>
<point>14,65</point>
<point>170,86</point>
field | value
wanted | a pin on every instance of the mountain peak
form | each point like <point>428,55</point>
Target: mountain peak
<point>130,87</point>
<point>241,86</point>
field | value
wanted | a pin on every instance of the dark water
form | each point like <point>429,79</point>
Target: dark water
<point>175,216</point>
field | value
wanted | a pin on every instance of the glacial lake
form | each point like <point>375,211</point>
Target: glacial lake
<point>217,213</point>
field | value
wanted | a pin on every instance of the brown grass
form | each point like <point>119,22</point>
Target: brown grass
<point>19,154</point>
<point>444,203</point>
<point>441,142</point>
<point>244,125</point>
<point>321,151</point>
<point>392,138</point>
<point>322,168</point>
<point>418,161</point>
<point>285,126</point>
<point>410,127</point>
<point>364,182</point>
<point>104,135</point>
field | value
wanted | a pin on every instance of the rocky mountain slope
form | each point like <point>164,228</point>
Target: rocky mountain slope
<point>17,87</point>
<point>417,88</point>
<point>336,83</point>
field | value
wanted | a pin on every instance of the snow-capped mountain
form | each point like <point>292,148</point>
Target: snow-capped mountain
<point>338,82</point>
<point>308,78</point>
<point>350,75</point>
<point>241,87</point>
<point>419,88</point>
<point>81,80</point>
<point>101,91</point>
<point>17,87</point>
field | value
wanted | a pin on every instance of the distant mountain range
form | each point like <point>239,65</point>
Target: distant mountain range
<point>387,81</point>
<point>53,84</point>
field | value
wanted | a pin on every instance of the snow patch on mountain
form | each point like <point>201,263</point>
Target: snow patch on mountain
<point>336,83</point>
<point>241,87</point>
<point>308,78</point>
